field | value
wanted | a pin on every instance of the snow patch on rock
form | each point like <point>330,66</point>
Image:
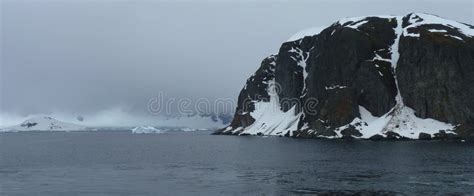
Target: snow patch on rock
<point>415,20</point>
<point>307,32</point>
<point>269,119</point>
<point>419,19</point>
<point>332,87</point>
<point>404,123</point>
<point>301,59</point>
<point>400,119</point>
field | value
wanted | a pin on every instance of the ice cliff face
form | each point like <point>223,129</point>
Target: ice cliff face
<point>395,77</point>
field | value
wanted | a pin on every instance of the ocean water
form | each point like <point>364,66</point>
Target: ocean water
<point>197,163</point>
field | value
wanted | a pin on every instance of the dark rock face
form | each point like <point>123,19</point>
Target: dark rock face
<point>393,136</point>
<point>255,90</point>
<point>447,136</point>
<point>436,75</point>
<point>344,59</point>
<point>28,125</point>
<point>377,137</point>
<point>424,136</point>
<point>365,63</point>
<point>350,133</point>
<point>340,57</point>
<point>289,76</point>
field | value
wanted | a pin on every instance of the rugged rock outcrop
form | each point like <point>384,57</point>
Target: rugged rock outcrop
<point>394,77</point>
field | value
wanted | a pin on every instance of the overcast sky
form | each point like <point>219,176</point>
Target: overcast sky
<point>84,56</point>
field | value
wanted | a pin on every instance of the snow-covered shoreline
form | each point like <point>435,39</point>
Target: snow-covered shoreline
<point>49,124</point>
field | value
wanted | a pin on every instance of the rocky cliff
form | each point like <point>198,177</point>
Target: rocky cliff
<point>378,77</point>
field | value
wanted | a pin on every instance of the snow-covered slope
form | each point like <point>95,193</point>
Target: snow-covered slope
<point>44,124</point>
<point>352,71</point>
<point>307,32</point>
<point>269,119</point>
<point>415,20</point>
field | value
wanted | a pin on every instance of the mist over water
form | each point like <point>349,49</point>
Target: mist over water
<point>111,117</point>
<point>114,117</point>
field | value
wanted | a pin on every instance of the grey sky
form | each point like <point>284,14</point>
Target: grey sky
<point>84,56</point>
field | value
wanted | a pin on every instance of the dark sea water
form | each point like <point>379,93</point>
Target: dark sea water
<point>197,163</point>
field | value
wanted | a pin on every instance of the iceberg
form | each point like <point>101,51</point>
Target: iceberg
<point>146,129</point>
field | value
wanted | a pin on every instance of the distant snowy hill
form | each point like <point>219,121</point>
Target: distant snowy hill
<point>377,77</point>
<point>44,124</point>
<point>111,119</point>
